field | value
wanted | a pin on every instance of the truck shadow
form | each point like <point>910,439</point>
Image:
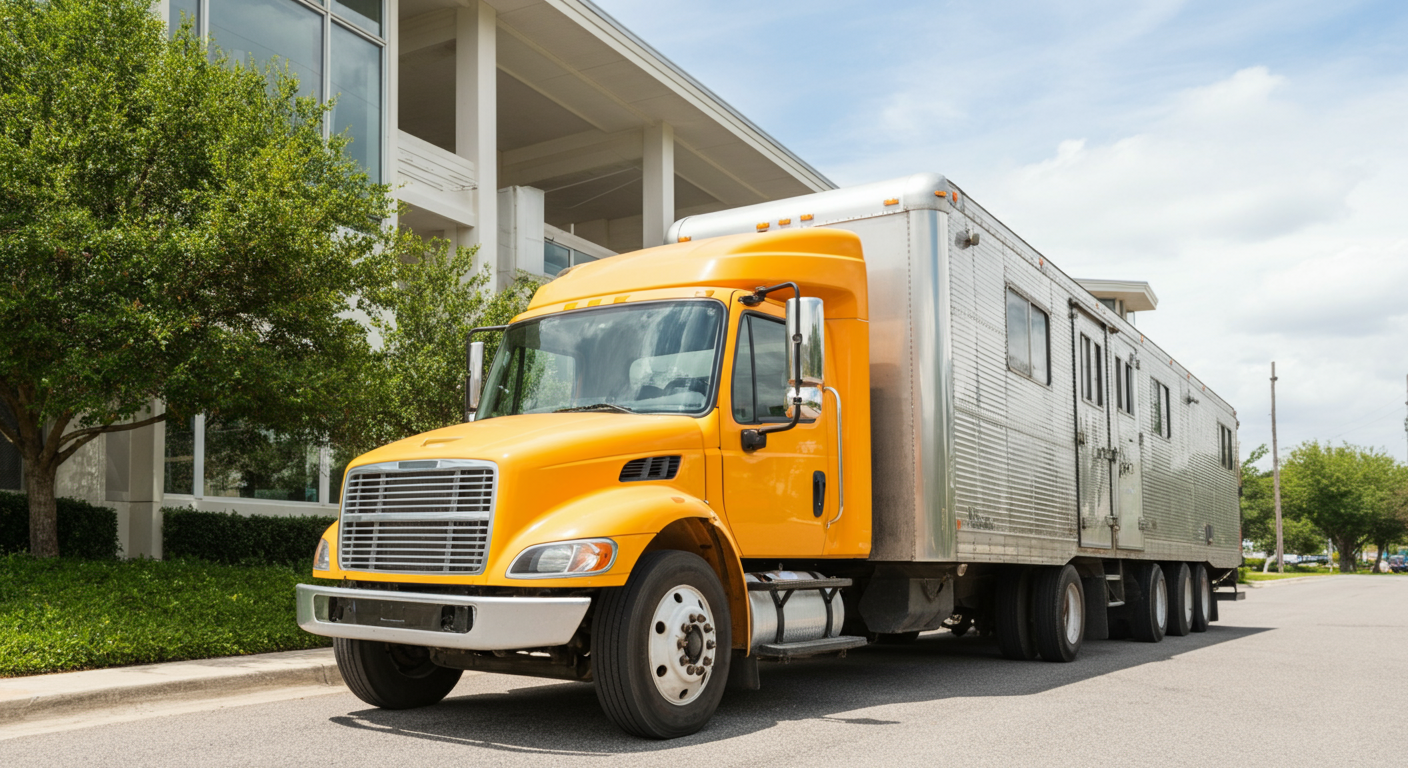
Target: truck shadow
<point>546,717</point>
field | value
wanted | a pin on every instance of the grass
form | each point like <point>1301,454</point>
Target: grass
<point>62,614</point>
<point>1273,576</point>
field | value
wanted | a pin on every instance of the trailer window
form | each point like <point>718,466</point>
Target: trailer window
<point>1124,386</point>
<point>1028,338</point>
<point>1224,443</point>
<point>760,371</point>
<point>1162,410</point>
<point>1092,371</point>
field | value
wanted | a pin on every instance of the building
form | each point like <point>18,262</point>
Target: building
<point>540,130</point>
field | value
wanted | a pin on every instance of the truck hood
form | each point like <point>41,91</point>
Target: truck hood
<point>544,440</point>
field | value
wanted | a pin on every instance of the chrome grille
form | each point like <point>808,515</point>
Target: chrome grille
<point>418,517</point>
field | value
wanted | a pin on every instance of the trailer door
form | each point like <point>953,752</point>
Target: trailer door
<point>1129,448</point>
<point>1093,450</point>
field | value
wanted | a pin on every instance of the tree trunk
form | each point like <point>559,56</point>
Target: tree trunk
<point>1347,553</point>
<point>43,510</point>
<point>1379,557</point>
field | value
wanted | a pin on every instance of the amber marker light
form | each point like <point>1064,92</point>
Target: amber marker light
<point>762,226</point>
<point>783,222</point>
<point>684,239</point>
<point>807,217</point>
<point>893,201</point>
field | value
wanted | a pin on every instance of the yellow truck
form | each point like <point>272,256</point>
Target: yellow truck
<point>799,428</point>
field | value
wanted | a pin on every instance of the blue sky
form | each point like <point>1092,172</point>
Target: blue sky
<point>1247,159</point>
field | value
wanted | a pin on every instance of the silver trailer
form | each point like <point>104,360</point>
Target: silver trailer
<point>1016,420</point>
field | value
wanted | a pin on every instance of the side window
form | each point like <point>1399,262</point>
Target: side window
<point>760,371</point>
<point>1225,450</point>
<point>1124,386</point>
<point>1028,338</point>
<point>1092,371</point>
<point>1162,408</point>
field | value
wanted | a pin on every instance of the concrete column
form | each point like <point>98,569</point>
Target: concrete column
<point>476,122</point>
<point>140,532</point>
<point>658,196</point>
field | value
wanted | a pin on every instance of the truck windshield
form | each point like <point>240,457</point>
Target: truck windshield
<point>657,357</point>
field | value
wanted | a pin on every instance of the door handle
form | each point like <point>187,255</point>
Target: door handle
<point>818,493</point>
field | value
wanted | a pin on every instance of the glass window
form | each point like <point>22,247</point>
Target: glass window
<point>555,258</point>
<point>760,371</point>
<point>1163,410</point>
<point>244,462</point>
<point>1019,356</point>
<point>1028,338</point>
<point>9,456</point>
<point>581,258</point>
<point>180,456</point>
<point>356,84</point>
<point>272,32</point>
<point>1099,376</point>
<point>190,9</point>
<point>1085,366</point>
<point>656,357</point>
<point>363,13</point>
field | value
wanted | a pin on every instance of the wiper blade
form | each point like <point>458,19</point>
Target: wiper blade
<point>612,407</point>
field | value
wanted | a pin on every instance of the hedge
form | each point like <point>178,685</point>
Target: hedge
<point>227,537</point>
<point>86,531</point>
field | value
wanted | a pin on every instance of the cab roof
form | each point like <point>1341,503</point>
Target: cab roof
<point>825,263</point>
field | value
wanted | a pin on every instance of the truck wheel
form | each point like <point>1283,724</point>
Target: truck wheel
<point>661,646</point>
<point>1148,614</point>
<point>1059,612</point>
<point>1013,620</point>
<point>1180,599</point>
<point>391,675</point>
<point>1202,599</point>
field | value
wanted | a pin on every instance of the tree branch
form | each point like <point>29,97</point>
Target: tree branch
<point>72,449</point>
<point>92,432</point>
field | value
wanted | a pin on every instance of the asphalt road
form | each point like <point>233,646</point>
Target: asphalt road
<point>1308,672</point>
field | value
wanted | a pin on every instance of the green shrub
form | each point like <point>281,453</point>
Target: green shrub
<point>1254,563</point>
<point>227,537</point>
<point>62,614</point>
<point>85,531</point>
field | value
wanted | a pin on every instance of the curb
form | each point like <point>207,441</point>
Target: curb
<point>1292,580</point>
<point>68,693</point>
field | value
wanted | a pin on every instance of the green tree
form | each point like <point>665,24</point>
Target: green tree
<point>1344,491</point>
<point>1298,535</point>
<point>1391,524</point>
<point>174,228</point>
<point>414,382</point>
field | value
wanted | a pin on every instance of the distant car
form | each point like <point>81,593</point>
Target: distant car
<point>1398,563</point>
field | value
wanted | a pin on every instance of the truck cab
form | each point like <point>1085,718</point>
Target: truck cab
<point>639,436</point>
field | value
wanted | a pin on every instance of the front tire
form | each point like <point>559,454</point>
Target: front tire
<point>661,646</point>
<point>391,675</point>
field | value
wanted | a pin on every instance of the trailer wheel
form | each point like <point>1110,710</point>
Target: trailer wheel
<point>1059,612</point>
<point>661,646</point>
<point>1013,620</point>
<point>391,675</point>
<point>1148,612</point>
<point>1202,603</point>
<point>1180,599</point>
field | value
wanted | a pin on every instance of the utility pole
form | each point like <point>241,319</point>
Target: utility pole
<point>1276,477</point>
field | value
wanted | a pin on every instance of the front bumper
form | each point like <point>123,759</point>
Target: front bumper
<point>412,618</point>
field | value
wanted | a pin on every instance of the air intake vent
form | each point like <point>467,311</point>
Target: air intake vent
<point>652,468</point>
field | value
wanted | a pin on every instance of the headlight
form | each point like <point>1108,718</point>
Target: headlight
<point>586,557</point>
<point>322,559</point>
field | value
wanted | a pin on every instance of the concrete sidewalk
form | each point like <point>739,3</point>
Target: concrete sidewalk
<point>70,694</point>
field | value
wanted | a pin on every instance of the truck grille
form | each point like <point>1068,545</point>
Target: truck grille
<point>421,519</point>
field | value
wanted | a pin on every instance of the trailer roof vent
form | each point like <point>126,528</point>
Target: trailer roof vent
<point>650,468</point>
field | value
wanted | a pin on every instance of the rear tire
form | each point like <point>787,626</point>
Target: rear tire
<point>670,597</point>
<point>1148,611</point>
<point>390,675</point>
<point>1202,599</point>
<point>1012,622</point>
<point>1059,612</point>
<point>1180,599</point>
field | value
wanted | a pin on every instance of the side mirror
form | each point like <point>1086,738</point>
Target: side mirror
<point>474,380</point>
<point>806,331</point>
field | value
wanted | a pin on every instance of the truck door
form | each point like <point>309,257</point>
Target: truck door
<point>776,498</point>
<point>1129,448</point>
<point>1093,450</point>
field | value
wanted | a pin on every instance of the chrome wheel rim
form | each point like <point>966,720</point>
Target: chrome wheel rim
<point>682,645</point>
<point>1188,601</point>
<point>1073,613</point>
<point>1161,603</point>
